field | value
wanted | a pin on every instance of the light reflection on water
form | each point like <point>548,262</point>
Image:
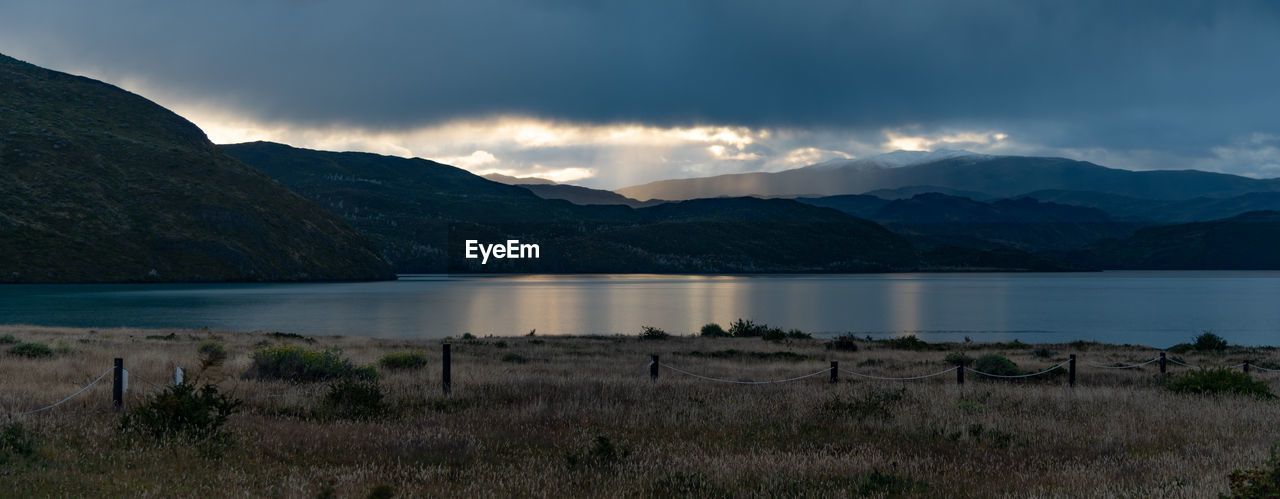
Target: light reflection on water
<point>1154,308</point>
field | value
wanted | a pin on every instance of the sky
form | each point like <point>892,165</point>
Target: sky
<point>615,93</point>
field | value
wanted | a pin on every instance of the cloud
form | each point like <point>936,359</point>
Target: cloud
<point>1145,83</point>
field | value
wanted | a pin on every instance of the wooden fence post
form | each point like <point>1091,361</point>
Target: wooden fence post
<point>117,387</point>
<point>835,370</point>
<point>446,377</point>
<point>653,367</point>
<point>1161,362</point>
<point>1071,372</point>
<point>960,373</point>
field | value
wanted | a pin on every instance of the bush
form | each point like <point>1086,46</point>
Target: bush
<point>796,334</point>
<point>745,328</point>
<point>31,350</point>
<point>1219,381</point>
<point>404,360</point>
<point>351,398</point>
<point>298,364</point>
<point>16,441</point>
<point>10,339</point>
<point>1043,353</point>
<point>211,353</point>
<point>845,343</point>
<point>182,411</point>
<point>909,342</point>
<point>514,358</point>
<point>1209,342</point>
<point>713,330</point>
<point>955,358</point>
<point>773,334</point>
<point>1263,481</point>
<point>602,453</point>
<point>996,364</point>
<point>653,333</point>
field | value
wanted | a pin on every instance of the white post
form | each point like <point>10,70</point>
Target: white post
<point>177,375</point>
<point>124,380</point>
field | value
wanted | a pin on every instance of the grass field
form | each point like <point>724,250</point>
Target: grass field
<point>579,416</point>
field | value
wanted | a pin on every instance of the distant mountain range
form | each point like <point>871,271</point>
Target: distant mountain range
<point>420,212</point>
<point>101,185</point>
<point>993,176</point>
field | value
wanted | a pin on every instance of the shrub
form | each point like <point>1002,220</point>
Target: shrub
<point>211,353</point>
<point>1209,342</point>
<point>954,358</point>
<point>404,360</point>
<point>9,339</point>
<point>1219,381</point>
<point>163,337</point>
<point>1263,481</point>
<point>514,358</point>
<point>468,336</point>
<point>996,364</point>
<point>1043,353</point>
<point>653,333</point>
<point>601,453</point>
<point>713,330</point>
<point>845,343</point>
<point>908,342</point>
<point>298,364</point>
<point>31,350</point>
<point>797,334</point>
<point>182,411</point>
<point>745,328</point>
<point>773,334</point>
<point>351,398</point>
<point>16,441</point>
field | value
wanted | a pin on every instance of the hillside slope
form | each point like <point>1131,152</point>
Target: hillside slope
<point>100,185</point>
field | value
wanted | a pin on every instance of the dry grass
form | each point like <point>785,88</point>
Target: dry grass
<point>528,428</point>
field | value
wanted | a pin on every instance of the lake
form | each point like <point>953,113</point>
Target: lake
<point>1150,308</point>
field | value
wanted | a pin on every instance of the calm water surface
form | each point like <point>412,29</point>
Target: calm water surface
<point>1152,308</point>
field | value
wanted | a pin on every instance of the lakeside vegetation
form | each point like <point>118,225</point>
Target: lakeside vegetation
<point>300,416</point>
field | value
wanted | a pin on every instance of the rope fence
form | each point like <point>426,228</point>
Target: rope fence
<point>1069,365</point>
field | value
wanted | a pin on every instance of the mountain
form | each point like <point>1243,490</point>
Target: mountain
<point>1164,211</point>
<point>420,213</point>
<point>1246,241</point>
<point>100,185</point>
<point>994,176</point>
<point>584,195</point>
<point>509,180</point>
<point>935,220</point>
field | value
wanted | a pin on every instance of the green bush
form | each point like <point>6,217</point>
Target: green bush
<point>713,330</point>
<point>745,328</point>
<point>1043,353</point>
<point>404,360</point>
<point>1219,381</point>
<point>1209,342</point>
<point>653,333</point>
<point>211,353</point>
<point>31,350</point>
<point>796,334</point>
<point>844,343</point>
<point>908,342</point>
<point>955,358</point>
<point>1263,481</point>
<point>16,441</point>
<point>182,411</point>
<point>351,398</point>
<point>10,339</point>
<point>297,364</point>
<point>996,364</point>
<point>773,334</point>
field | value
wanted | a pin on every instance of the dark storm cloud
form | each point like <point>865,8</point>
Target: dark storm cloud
<point>1175,76</point>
